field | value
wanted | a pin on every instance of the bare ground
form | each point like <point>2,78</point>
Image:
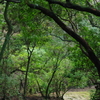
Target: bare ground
<point>78,94</point>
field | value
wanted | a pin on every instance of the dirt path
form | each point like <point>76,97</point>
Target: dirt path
<point>78,94</point>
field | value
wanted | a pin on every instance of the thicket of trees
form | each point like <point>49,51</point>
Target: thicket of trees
<point>49,46</point>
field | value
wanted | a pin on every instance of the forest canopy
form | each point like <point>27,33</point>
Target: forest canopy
<point>49,46</point>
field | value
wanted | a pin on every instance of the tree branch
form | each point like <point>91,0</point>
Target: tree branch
<point>61,38</point>
<point>76,7</point>
<point>83,51</point>
<point>16,71</point>
<point>15,1</point>
<point>88,49</point>
<point>92,22</point>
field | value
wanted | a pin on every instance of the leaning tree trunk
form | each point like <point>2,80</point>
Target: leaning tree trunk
<point>87,49</point>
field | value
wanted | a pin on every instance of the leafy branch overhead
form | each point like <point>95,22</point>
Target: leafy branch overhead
<point>49,46</point>
<point>75,7</point>
<point>88,49</point>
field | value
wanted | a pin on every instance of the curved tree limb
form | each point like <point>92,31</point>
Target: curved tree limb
<point>76,7</point>
<point>91,54</point>
<point>15,1</point>
<point>61,38</point>
<point>8,33</point>
<point>92,22</point>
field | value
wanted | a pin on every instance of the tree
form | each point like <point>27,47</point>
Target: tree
<point>56,10</point>
<point>51,60</point>
<point>88,51</point>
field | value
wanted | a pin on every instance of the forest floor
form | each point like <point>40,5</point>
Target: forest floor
<point>73,94</point>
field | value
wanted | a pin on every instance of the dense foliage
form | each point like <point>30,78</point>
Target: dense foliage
<point>48,47</point>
